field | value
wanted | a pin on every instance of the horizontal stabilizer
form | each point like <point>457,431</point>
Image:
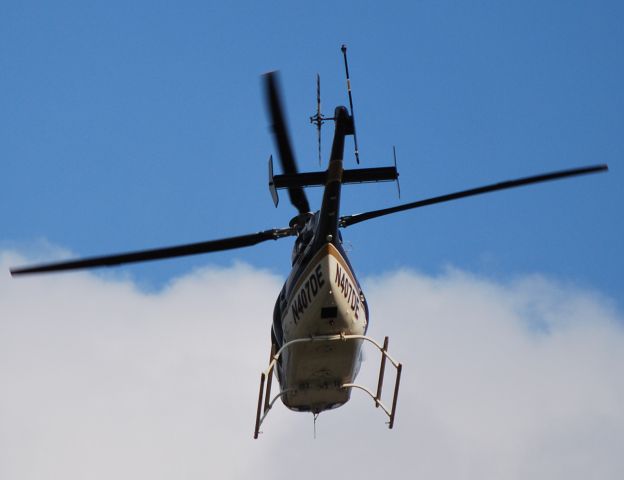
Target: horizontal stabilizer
<point>317,179</point>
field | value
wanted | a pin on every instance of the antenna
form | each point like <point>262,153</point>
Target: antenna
<point>344,53</point>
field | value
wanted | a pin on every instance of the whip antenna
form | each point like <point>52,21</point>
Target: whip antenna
<point>344,53</point>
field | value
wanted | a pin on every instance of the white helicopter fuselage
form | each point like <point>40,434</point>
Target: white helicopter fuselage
<point>325,300</point>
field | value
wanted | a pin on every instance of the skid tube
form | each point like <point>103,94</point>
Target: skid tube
<point>265,403</point>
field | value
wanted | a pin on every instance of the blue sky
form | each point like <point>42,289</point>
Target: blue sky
<point>127,125</point>
<point>135,124</point>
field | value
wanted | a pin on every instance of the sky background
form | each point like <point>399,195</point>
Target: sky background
<point>129,125</point>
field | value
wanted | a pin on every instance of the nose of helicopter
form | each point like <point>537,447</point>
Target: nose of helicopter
<point>326,300</point>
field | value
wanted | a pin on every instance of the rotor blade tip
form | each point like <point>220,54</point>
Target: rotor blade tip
<point>18,272</point>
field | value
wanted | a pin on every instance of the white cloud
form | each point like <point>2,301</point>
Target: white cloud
<point>101,380</point>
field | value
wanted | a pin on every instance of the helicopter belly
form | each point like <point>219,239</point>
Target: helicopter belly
<point>326,301</point>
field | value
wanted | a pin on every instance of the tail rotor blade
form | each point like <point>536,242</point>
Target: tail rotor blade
<point>287,159</point>
<point>319,117</point>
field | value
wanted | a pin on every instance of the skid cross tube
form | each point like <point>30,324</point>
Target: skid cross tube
<point>265,403</point>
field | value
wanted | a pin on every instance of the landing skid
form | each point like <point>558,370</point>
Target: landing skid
<point>265,403</point>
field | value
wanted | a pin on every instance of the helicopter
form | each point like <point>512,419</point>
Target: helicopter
<point>321,315</point>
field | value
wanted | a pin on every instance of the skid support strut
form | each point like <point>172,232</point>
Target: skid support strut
<point>265,403</point>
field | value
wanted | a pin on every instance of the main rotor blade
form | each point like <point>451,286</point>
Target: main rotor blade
<point>159,253</point>
<point>287,159</point>
<point>544,177</point>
